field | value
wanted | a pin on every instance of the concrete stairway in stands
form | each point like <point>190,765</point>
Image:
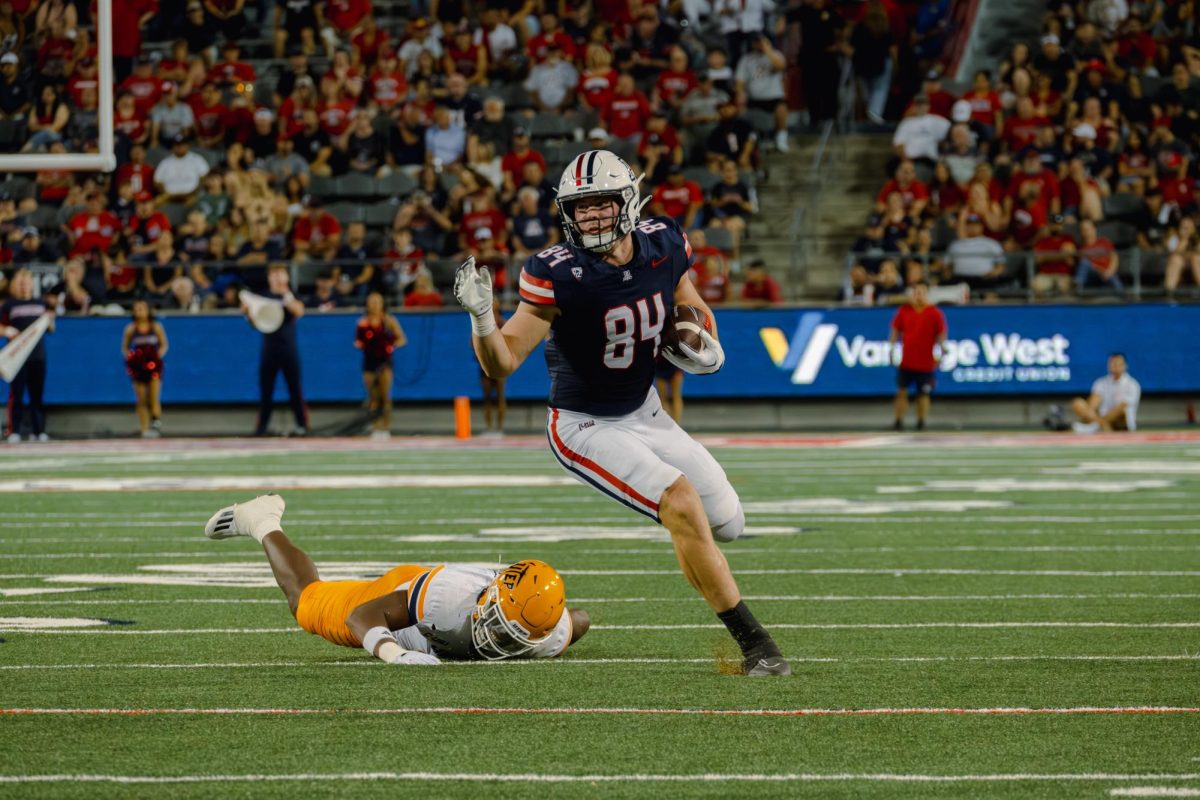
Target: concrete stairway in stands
<point>835,199</point>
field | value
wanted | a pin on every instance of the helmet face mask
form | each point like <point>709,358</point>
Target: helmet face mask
<point>599,174</point>
<point>517,610</point>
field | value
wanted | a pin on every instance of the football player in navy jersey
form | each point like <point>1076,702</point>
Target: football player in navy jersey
<point>602,298</point>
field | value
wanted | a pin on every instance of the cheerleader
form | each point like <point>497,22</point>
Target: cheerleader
<point>17,313</point>
<point>144,346</point>
<point>378,334</point>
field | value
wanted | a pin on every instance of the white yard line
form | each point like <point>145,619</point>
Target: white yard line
<point>1154,791</point>
<point>585,711</point>
<point>540,777</point>
<point>573,662</point>
<point>650,627</point>
<point>814,598</point>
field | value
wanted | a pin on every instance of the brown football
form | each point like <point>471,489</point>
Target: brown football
<point>684,326</point>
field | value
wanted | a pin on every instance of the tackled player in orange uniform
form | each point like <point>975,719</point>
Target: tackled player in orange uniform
<point>415,615</point>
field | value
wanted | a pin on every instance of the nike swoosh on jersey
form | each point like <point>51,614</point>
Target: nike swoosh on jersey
<point>655,262</point>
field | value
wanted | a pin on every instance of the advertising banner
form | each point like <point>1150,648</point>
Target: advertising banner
<point>770,353</point>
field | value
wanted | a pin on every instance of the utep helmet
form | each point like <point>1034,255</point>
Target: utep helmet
<point>599,173</point>
<point>517,610</point>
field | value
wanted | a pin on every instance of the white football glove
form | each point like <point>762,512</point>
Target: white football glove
<point>412,658</point>
<point>704,362</point>
<point>473,291</point>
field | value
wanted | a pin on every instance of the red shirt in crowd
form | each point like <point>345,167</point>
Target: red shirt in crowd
<point>368,49</point>
<point>406,264</point>
<point>90,231</point>
<point>540,43</point>
<point>232,72</point>
<point>78,84</point>
<point>1019,132</point>
<point>1051,243</point>
<point>767,289</point>
<point>346,14</point>
<point>139,176</point>
<point>388,88</point>
<point>146,91</point>
<point>316,227</point>
<point>626,115</point>
<point>673,85</point>
<point>597,90</point>
<point>513,163</point>
<point>919,332</point>
<point>1099,252</point>
<point>133,126</point>
<point>147,229</point>
<point>126,33</point>
<point>1046,181</point>
<point>492,219</point>
<point>210,120</point>
<point>666,137</point>
<point>465,61</point>
<point>335,117</point>
<point>677,199</point>
<point>914,191</point>
<point>983,106</point>
<point>417,299</point>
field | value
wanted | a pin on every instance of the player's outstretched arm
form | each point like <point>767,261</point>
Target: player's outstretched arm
<point>500,352</point>
<point>373,623</point>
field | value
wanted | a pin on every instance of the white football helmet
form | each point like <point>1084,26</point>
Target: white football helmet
<point>599,173</point>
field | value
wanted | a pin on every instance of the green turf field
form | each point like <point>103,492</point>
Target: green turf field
<point>967,617</point>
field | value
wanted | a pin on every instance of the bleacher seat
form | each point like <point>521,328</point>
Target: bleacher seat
<point>1122,205</point>
<point>380,215</point>
<point>720,238</point>
<point>398,184</point>
<point>346,213</point>
<point>702,176</point>
<point>356,186</point>
<point>550,125</point>
<point>44,218</point>
<point>1121,234</point>
<point>322,186</point>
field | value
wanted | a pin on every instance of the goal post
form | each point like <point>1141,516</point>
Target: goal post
<point>106,159</point>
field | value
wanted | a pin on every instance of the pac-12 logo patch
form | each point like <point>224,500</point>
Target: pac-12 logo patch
<point>577,272</point>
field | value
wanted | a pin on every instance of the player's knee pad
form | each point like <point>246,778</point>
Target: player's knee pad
<point>730,530</point>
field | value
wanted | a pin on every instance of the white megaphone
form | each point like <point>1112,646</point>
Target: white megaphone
<point>265,313</point>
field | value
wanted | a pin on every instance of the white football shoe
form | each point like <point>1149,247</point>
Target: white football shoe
<point>255,519</point>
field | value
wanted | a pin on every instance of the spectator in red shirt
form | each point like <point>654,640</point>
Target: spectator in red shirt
<point>93,228</point>
<point>918,326</point>
<point>760,288</point>
<point>143,85</point>
<point>231,71</point>
<point>1098,260</point>
<point>335,110</point>
<point>1033,173</point>
<point>482,216</point>
<point>1020,130</point>
<point>628,110</point>
<point>1054,253</point>
<point>985,105</point>
<point>597,81</point>
<point>710,270</point>
<point>1080,193</point>
<point>128,19</point>
<point>147,225</point>
<point>387,84</point>
<point>678,198</point>
<point>316,233</point>
<point>551,32</point>
<point>466,57</point>
<point>129,121</point>
<point>368,44</point>
<point>345,18</point>
<point>423,294</point>
<point>940,101</point>
<point>513,162</point>
<point>211,116</point>
<point>913,192</point>
<point>85,77</point>
<point>674,82</point>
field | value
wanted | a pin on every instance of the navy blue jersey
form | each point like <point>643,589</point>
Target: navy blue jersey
<point>604,342</point>
<point>20,314</point>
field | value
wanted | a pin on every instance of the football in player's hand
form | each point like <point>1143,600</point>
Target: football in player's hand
<point>685,326</point>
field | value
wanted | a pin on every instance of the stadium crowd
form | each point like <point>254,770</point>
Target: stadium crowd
<point>368,146</point>
<point>1069,169</point>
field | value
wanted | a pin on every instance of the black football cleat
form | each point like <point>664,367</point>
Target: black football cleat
<point>767,666</point>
